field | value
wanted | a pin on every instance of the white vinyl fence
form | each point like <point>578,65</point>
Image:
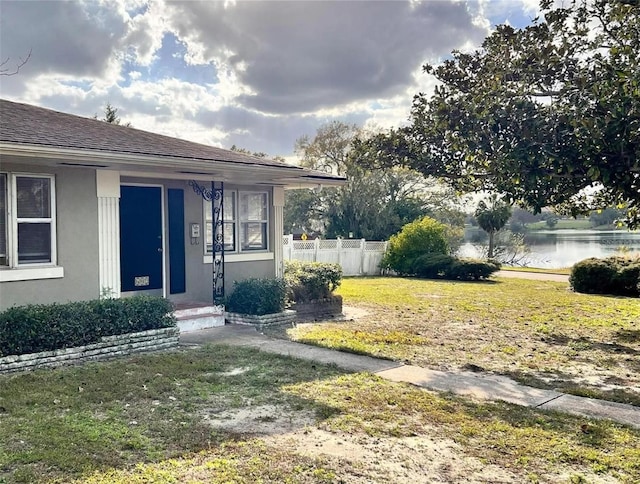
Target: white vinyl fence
<point>358,257</point>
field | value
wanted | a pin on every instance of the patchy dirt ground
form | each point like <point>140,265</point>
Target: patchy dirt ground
<point>223,414</point>
<point>366,459</point>
<point>363,459</point>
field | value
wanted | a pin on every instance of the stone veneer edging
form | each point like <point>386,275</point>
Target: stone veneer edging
<point>108,347</point>
<point>319,309</point>
<point>286,317</point>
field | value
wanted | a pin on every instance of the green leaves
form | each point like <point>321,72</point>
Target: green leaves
<point>46,327</point>
<point>309,281</point>
<point>378,198</point>
<point>546,115</point>
<point>424,236</point>
<point>257,297</point>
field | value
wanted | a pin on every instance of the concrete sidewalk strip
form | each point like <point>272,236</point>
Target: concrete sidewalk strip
<point>489,387</point>
<point>346,361</point>
<point>534,276</point>
<point>481,386</point>
<point>590,407</point>
<point>238,335</point>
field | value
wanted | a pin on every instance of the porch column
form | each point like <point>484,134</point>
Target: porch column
<point>108,192</point>
<point>278,229</point>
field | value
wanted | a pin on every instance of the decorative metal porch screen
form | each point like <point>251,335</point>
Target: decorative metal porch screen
<point>215,195</point>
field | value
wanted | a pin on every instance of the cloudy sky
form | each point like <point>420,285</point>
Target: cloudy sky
<point>257,74</point>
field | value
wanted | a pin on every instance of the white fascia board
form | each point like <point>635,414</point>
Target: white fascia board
<point>216,169</point>
<point>308,182</point>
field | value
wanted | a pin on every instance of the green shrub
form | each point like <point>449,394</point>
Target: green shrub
<point>308,281</point>
<point>257,297</point>
<point>627,278</point>
<point>614,275</point>
<point>431,266</point>
<point>424,236</point>
<point>592,276</point>
<point>442,266</point>
<point>45,327</point>
<point>471,269</point>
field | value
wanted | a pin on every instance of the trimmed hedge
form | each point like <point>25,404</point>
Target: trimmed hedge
<point>257,297</point>
<point>441,266</point>
<point>615,275</point>
<point>430,266</point>
<point>471,270</point>
<point>310,281</point>
<point>46,327</point>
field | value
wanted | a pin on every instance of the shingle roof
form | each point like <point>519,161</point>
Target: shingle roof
<point>33,125</point>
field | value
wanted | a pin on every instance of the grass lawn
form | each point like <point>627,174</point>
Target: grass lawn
<point>538,332</point>
<point>583,224</point>
<point>228,414</point>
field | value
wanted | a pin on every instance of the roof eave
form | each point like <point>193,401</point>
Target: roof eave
<point>290,176</point>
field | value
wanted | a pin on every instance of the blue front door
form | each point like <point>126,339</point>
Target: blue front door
<point>140,238</point>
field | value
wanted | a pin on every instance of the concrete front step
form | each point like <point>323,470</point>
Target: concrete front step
<point>200,317</point>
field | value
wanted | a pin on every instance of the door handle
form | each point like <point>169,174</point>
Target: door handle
<point>159,249</point>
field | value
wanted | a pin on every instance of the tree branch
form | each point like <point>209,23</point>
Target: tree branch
<point>5,71</point>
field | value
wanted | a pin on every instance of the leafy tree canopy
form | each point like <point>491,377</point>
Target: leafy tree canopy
<point>374,204</point>
<point>548,115</point>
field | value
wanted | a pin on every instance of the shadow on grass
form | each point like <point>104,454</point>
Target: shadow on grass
<point>597,436</point>
<point>583,343</point>
<point>628,335</point>
<point>564,382</point>
<point>68,422</point>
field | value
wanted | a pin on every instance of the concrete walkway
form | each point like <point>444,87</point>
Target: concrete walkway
<point>536,276</point>
<point>482,386</point>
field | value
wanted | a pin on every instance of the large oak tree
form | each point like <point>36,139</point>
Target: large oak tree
<point>548,115</point>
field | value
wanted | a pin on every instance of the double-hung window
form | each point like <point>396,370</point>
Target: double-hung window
<point>229,221</point>
<point>253,220</point>
<point>246,219</point>
<point>27,220</point>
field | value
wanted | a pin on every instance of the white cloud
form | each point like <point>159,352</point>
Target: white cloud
<point>298,57</point>
<point>255,74</point>
<point>144,36</point>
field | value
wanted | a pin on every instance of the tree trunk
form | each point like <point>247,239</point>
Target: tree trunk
<point>490,254</point>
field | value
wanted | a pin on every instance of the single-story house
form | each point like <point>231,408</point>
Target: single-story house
<point>90,209</point>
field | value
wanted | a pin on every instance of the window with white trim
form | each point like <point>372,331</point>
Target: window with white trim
<point>253,220</point>
<point>246,218</point>
<point>229,220</point>
<point>27,220</point>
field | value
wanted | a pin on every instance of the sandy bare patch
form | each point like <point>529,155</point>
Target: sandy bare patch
<point>352,313</point>
<point>364,459</point>
<point>376,459</point>
<point>259,420</point>
<point>235,371</point>
<point>390,459</point>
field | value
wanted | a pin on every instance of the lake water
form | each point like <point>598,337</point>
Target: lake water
<point>563,248</point>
